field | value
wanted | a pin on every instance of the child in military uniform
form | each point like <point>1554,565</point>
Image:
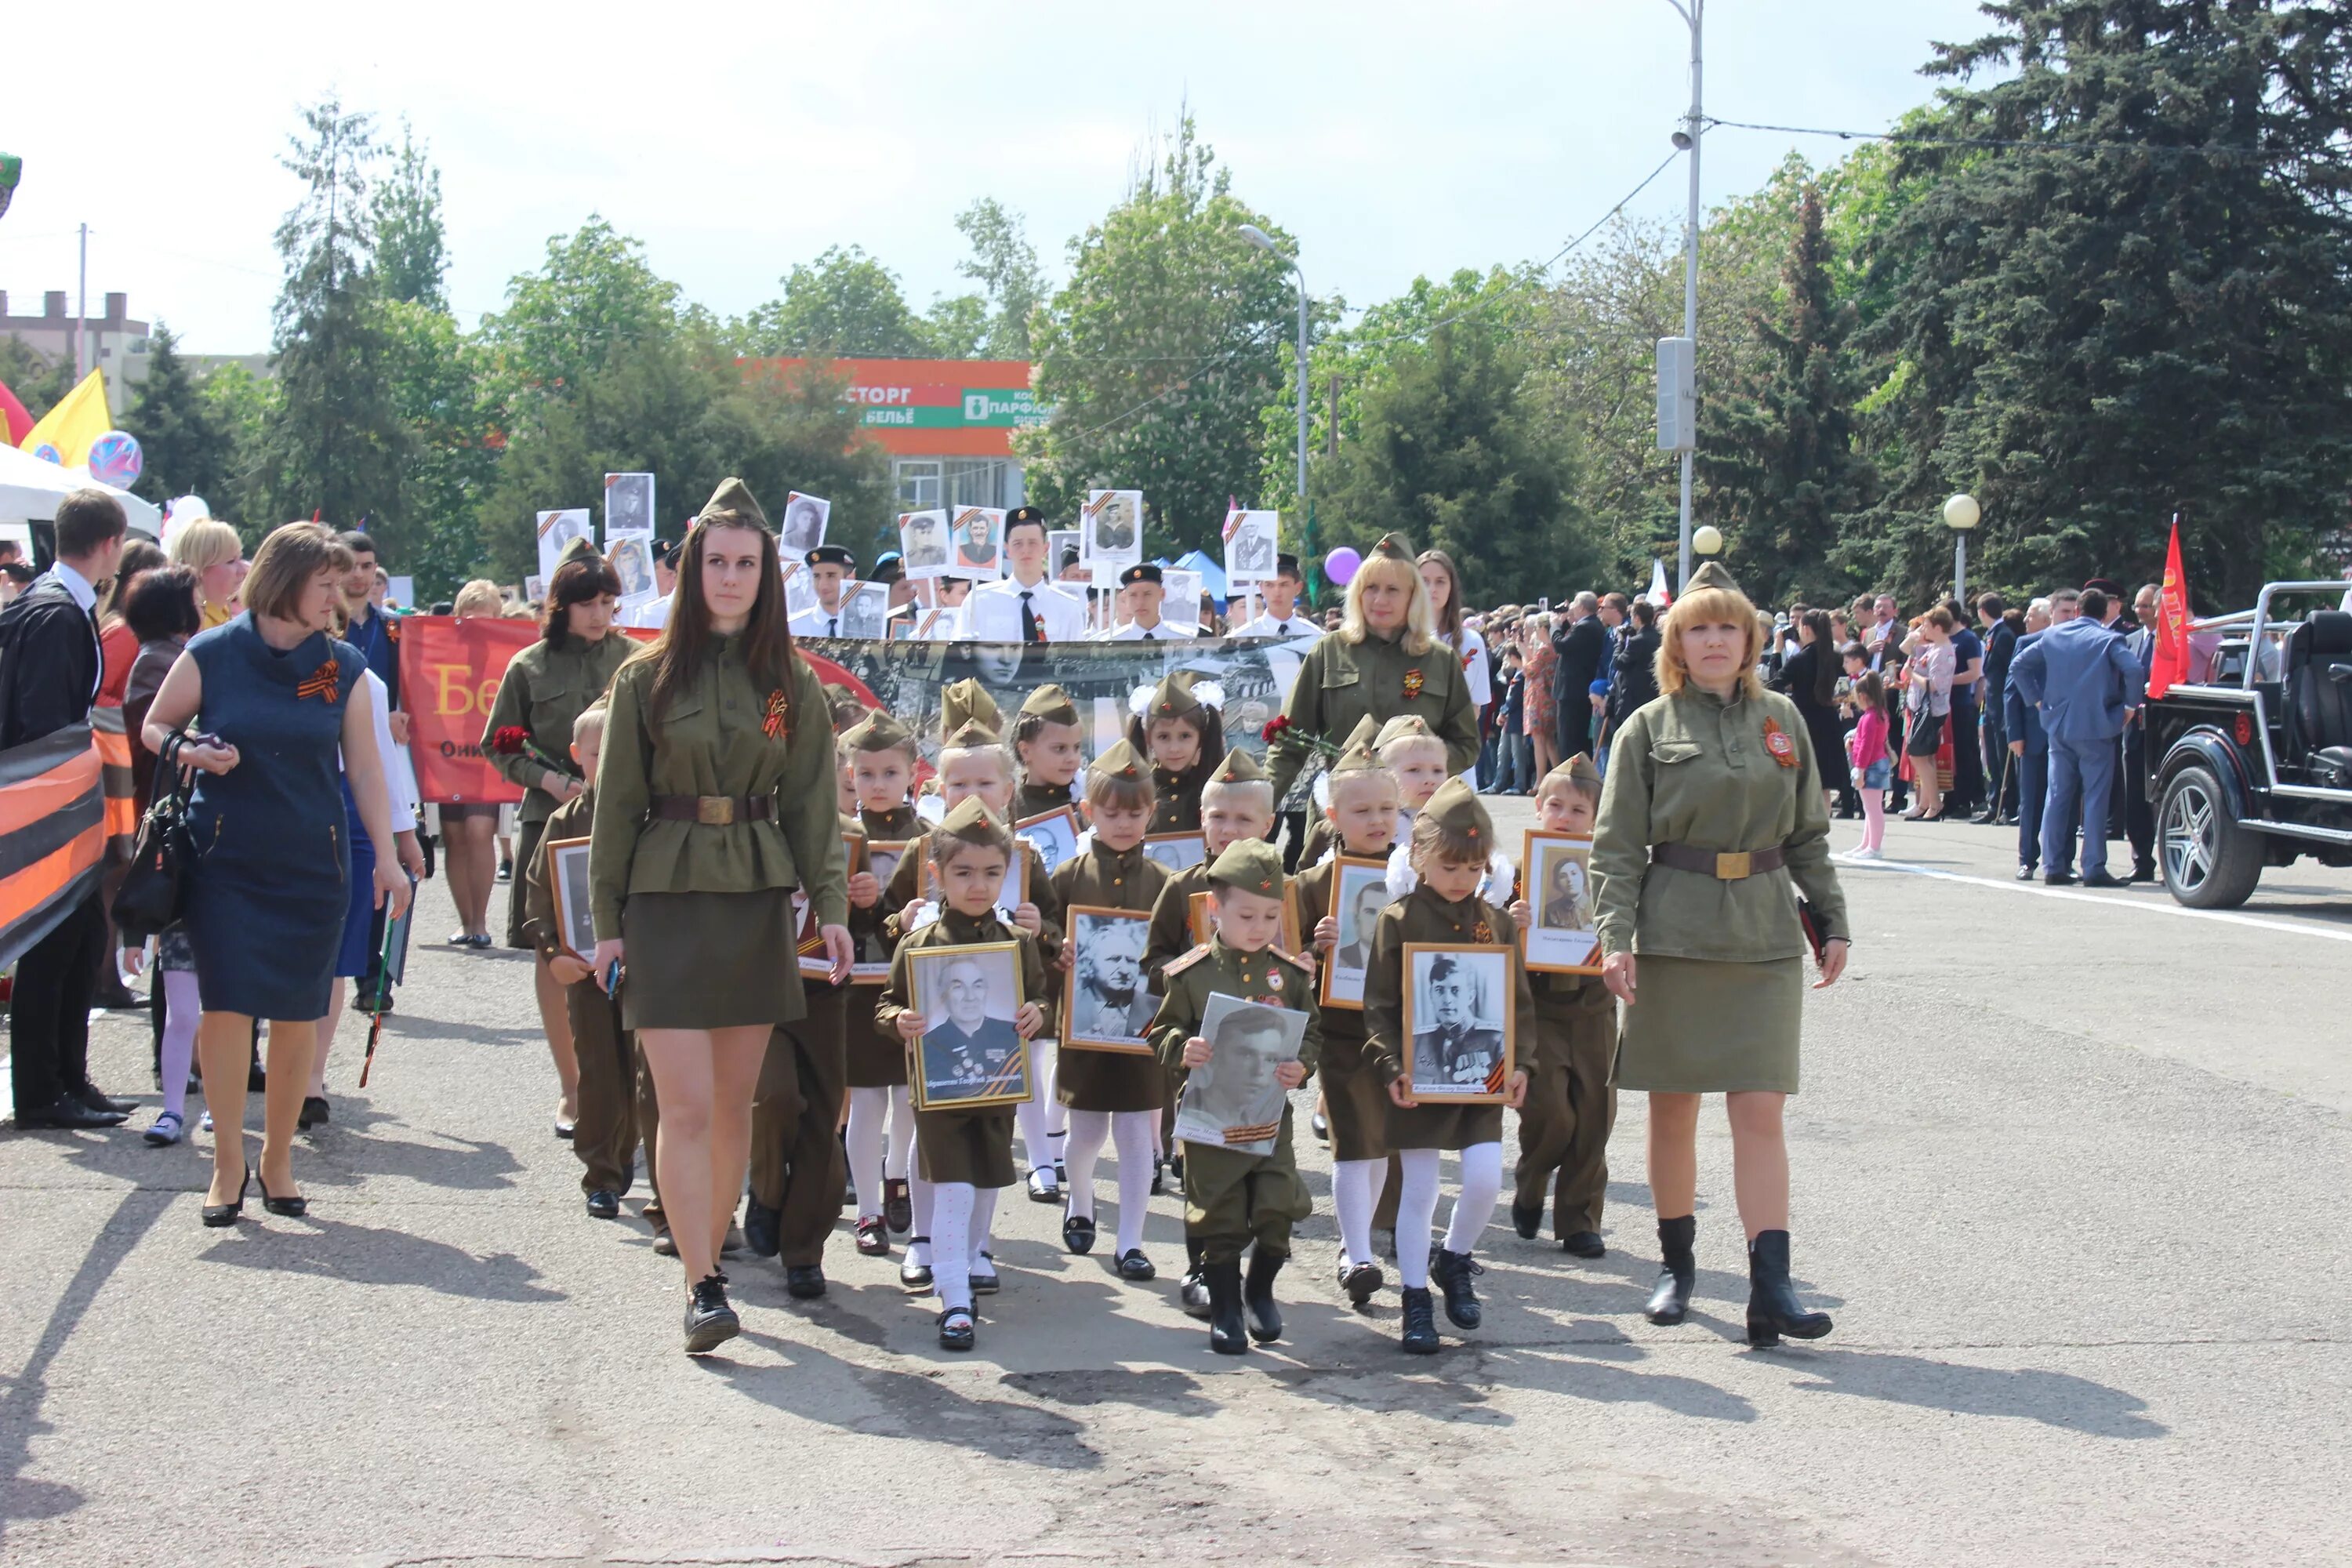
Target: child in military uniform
<point>967,1156</point>
<point>1232,1196</point>
<point>1452,839</point>
<point>1363,815</point>
<point>1049,744</point>
<point>1112,1095</point>
<point>1185,739</point>
<point>1570,1107</point>
<point>881,756</point>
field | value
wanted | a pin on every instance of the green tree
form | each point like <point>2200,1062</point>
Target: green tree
<point>844,303</point>
<point>245,407</point>
<point>957,326</point>
<point>594,299</point>
<point>1005,267</point>
<point>37,381</point>
<point>441,387</point>
<point>2150,314</point>
<point>1161,350</point>
<point>337,446</point>
<point>412,254</point>
<point>183,443</point>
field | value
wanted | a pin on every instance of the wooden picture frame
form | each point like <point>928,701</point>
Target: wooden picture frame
<point>1202,923</point>
<point>1059,827</point>
<point>1556,949</point>
<point>872,965</point>
<point>938,1075</point>
<point>814,965</point>
<point>1085,923</point>
<point>1179,851</point>
<point>567,880</point>
<point>1431,1073</point>
<point>1342,984</point>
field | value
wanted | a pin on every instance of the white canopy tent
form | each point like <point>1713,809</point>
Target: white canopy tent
<point>31,488</point>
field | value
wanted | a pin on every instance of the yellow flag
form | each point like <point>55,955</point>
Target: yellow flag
<point>80,418</point>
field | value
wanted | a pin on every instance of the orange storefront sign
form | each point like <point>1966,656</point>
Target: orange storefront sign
<point>934,407</point>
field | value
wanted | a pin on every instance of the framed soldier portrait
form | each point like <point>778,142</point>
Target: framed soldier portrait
<point>1204,919</point>
<point>804,520</point>
<point>1556,880</point>
<point>1234,1101</point>
<point>1457,1022</point>
<point>968,1054</point>
<point>977,538</point>
<point>871,964</point>
<point>1110,525</point>
<point>1360,891</point>
<point>864,607</point>
<point>1176,851</point>
<point>923,543</point>
<point>814,964</point>
<point>567,879</point>
<point>1250,538</point>
<point>1106,1005</point>
<point>628,509</point>
<point>1180,603</point>
<point>800,589</point>
<point>1053,834</point>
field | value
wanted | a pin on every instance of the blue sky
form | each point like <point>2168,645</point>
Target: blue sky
<point>734,140</point>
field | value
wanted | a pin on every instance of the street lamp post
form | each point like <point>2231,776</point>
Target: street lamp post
<point>1705,540</point>
<point>1961,514</point>
<point>1264,242</point>
<point>1694,13</point>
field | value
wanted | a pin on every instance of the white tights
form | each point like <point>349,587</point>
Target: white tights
<point>960,1215</point>
<point>1356,1194</point>
<point>1131,1132</point>
<point>180,1011</point>
<point>869,1166</point>
<point>1482,1183</point>
<point>1042,1119</point>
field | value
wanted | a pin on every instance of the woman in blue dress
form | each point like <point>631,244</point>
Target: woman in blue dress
<point>273,696</point>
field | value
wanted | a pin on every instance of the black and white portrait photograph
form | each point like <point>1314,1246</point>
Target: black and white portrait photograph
<point>1557,884</point>
<point>1235,1101</point>
<point>1109,1007</point>
<point>632,557</point>
<point>1360,891</point>
<point>1180,604</point>
<point>1054,835</point>
<point>800,589</point>
<point>1176,851</point>
<point>1250,545</point>
<point>871,966</point>
<point>803,525</point>
<point>629,507</point>
<point>1457,1016</point>
<point>1061,548</point>
<point>557,530</point>
<point>978,537</point>
<point>863,607</point>
<point>923,543</point>
<point>970,1053</point>
<point>1112,522</point>
<point>567,879</point>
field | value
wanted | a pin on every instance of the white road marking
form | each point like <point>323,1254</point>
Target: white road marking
<point>2106,900</point>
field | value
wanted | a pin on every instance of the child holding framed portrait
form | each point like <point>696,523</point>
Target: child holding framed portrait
<point>966,994</point>
<point>881,1130</point>
<point>1445,1004</point>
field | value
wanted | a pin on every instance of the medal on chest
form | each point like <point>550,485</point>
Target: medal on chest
<point>1482,932</point>
<point>1779,743</point>
<point>775,724</point>
<point>1413,681</point>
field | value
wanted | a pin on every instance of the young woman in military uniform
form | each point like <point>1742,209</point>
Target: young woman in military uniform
<point>714,801</point>
<point>882,769</point>
<point>1713,808</point>
<point>1452,839</point>
<point>546,687</point>
<point>1385,659</point>
<point>1112,1095</point>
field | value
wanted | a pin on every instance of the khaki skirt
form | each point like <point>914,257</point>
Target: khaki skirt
<point>710,961</point>
<point>876,1061</point>
<point>1698,1026</point>
<point>1355,1102</point>
<point>974,1147</point>
<point>1109,1081</point>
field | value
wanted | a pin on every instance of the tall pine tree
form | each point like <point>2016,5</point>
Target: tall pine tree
<point>182,440</point>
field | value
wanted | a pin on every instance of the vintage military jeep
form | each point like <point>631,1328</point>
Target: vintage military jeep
<point>2251,762</point>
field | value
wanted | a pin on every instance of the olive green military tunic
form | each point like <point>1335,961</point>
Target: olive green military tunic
<point>1422,916</point>
<point>1084,1079</point>
<point>910,882</point>
<point>1719,988</point>
<point>604,1135</point>
<point>706,908</point>
<point>971,1146</point>
<point>876,1061</point>
<point>1340,684</point>
<point>1171,936</point>
<point>544,691</point>
<point>1176,799</point>
<point>1355,1096</point>
<point>1570,1109</point>
<point>1230,1194</point>
<point>1035,800</point>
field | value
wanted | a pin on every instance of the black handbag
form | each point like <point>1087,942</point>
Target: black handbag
<point>154,891</point>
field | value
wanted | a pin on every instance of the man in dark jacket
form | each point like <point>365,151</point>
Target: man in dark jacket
<point>1634,679</point>
<point>2000,640</point>
<point>49,669</point>
<point>1583,649</point>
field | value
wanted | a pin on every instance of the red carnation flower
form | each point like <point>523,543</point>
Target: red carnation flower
<point>511,740</point>
<point>1274,726</point>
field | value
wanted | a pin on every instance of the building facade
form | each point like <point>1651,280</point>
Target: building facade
<point>948,424</point>
<point>112,342</point>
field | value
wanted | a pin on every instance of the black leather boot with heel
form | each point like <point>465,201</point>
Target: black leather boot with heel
<point>1773,1308</point>
<point>1677,1272</point>
<point>1258,1294</point>
<point>1226,1335</point>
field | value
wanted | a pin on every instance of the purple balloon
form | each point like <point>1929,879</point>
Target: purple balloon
<point>115,458</point>
<point>1341,565</point>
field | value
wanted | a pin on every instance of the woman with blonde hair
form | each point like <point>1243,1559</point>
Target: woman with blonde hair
<point>1710,862</point>
<point>1384,661</point>
<point>211,549</point>
<point>469,828</point>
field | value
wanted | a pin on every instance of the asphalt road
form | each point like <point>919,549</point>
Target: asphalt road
<point>2071,1170</point>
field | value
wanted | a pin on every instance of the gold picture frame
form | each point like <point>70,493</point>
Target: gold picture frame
<point>814,965</point>
<point>931,1066</point>
<point>1070,833</point>
<point>1077,920</point>
<point>1348,872</point>
<point>1429,1076</point>
<point>1548,949</point>
<point>573,923</point>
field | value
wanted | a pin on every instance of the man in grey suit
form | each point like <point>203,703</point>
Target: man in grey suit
<point>2084,681</point>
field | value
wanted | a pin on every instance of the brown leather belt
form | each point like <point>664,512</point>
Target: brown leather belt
<point>1724,865</point>
<point>714,810</point>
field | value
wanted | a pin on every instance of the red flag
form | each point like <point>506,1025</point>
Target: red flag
<point>2170,661</point>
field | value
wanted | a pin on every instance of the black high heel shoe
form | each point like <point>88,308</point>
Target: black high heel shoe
<point>219,1215</point>
<point>292,1208</point>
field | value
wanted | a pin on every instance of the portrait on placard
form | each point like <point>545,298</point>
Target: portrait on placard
<point>557,530</point>
<point>1250,538</point>
<point>628,506</point>
<point>864,608</point>
<point>923,543</point>
<point>1176,851</point>
<point>970,1053</point>
<point>803,525</point>
<point>800,588</point>
<point>1108,1005</point>
<point>1556,882</point>
<point>567,879</point>
<point>978,537</point>
<point>1457,1021</point>
<point>1112,523</point>
<point>1053,834</point>
<point>632,559</point>
<point>1360,891</point>
<point>1060,543</point>
<point>1235,1101</point>
<point>870,963</point>
<point>1179,603</point>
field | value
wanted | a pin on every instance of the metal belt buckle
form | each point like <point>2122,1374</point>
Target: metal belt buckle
<point>1731,867</point>
<point>719,810</point>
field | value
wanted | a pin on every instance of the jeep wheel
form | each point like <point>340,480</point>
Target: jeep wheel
<point>2209,861</point>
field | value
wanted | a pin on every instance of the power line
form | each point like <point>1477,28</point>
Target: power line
<point>1908,139</point>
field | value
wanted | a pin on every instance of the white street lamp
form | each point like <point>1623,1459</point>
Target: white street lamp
<point>1706,540</point>
<point>1961,513</point>
<point>1693,12</point>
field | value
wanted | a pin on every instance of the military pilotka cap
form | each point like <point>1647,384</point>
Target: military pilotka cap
<point>1172,698</point>
<point>1251,865</point>
<point>831,555</point>
<point>1457,809</point>
<point>1360,755</point>
<point>1052,704</point>
<point>1713,575</point>
<point>972,735</point>
<point>879,732</point>
<point>1393,547</point>
<point>732,502</point>
<point>968,701</point>
<point>1404,727</point>
<point>1578,769</point>
<point>580,548</point>
<point>1239,767</point>
<point>1118,761</point>
<point>974,823</point>
<point>1147,572</point>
